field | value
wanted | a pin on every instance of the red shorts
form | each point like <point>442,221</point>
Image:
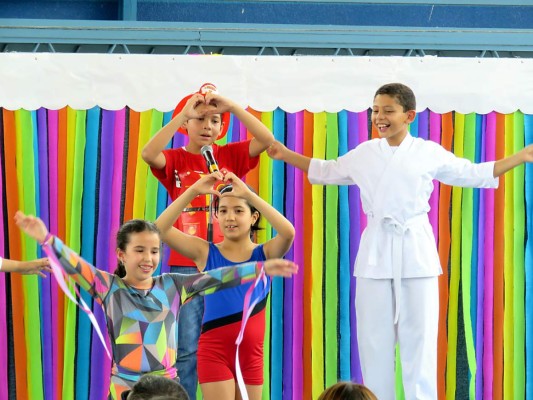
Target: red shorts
<point>217,349</point>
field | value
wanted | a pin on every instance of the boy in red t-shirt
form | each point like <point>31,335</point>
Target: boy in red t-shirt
<point>203,116</point>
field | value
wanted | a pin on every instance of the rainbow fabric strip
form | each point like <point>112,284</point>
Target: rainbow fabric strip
<point>81,172</point>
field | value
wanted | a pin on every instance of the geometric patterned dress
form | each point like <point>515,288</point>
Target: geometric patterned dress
<point>142,323</point>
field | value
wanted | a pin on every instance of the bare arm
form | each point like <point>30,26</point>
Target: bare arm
<point>26,267</point>
<point>279,244</point>
<point>152,152</point>
<point>278,151</point>
<point>190,246</point>
<point>508,163</point>
<point>262,135</point>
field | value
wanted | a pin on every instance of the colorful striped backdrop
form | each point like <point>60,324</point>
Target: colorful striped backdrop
<point>81,171</point>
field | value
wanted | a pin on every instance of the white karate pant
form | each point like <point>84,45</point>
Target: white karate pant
<point>416,333</point>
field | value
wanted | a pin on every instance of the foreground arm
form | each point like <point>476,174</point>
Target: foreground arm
<point>508,163</point>
<point>228,277</point>
<point>152,152</point>
<point>278,151</point>
<point>83,273</point>
<point>262,135</point>
<point>25,267</point>
<point>279,244</point>
<point>190,246</point>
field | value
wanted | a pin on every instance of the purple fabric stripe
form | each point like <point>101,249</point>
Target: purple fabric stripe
<point>53,126</point>
<point>288,310</point>
<point>100,366</point>
<point>434,135</point>
<point>480,278</point>
<point>243,133</point>
<point>357,127</point>
<point>3,317</point>
<point>46,306</point>
<point>235,130</point>
<point>423,124</point>
<point>298,323</point>
<point>488,309</point>
<point>116,186</point>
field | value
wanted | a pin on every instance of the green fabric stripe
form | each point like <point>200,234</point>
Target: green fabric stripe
<point>466,261</point>
<point>518,255</point>
<point>317,342</point>
<point>32,323</point>
<point>150,212</point>
<point>331,291</point>
<point>508,335</point>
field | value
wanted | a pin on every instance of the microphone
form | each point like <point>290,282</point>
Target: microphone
<point>207,153</point>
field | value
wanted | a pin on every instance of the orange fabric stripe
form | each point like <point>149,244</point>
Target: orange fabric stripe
<point>15,252</point>
<point>133,138</point>
<point>444,255</point>
<point>252,178</point>
<point>61,221</point>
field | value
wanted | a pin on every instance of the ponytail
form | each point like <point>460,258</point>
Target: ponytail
<point>120,271</point>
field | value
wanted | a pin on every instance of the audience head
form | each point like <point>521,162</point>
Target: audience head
<point>155,387</point>
<point>347,391</point>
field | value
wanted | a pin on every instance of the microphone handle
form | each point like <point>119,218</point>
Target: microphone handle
<point>212,167</point>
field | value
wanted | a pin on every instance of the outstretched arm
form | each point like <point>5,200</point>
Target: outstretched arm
<point>279,244</point>
<point>152,152</point>
<point>262,135</point>
<point>278,151</point>
<point>508,163</point>
<point>228,277</point>
<point>94,281</point>
<point>190,246</point>
<point>26,267</point>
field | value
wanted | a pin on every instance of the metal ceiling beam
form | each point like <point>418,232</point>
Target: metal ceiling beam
<point>172,38</point>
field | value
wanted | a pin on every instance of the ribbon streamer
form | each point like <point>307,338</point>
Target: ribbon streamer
<point>246,311</point>
<point>59,275</point>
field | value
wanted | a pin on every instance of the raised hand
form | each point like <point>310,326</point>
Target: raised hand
<point>276,150</point>
<point>528,153</point>
<point>280,267</point>
<point>205,185</point>
<point>218,104</point>
<point>239,188</point>
<point>34,267</point>
<point>196,107</point>
<point>32,226</point>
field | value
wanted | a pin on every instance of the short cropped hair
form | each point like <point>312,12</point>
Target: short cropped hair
<point>151,387</point>
<point>402,93</point>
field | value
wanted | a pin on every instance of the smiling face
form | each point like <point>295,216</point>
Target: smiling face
<point>140,258</point>
<point>203,131</point>
<point>390,119</point>
<point>235,217</point>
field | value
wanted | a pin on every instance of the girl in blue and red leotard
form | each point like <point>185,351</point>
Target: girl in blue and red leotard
<point>239,210</point>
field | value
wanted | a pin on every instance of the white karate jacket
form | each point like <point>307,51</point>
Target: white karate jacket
<point>395,190</point>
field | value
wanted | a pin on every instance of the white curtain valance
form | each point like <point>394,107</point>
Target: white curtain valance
<point>314,83</point>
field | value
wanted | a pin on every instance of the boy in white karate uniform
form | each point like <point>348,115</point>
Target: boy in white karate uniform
<point>397,298</point>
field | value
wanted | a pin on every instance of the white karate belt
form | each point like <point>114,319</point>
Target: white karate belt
<point>398,231</point>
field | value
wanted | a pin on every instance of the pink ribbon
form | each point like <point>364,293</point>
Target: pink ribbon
<point>59,275</point>
<point>246,311</point>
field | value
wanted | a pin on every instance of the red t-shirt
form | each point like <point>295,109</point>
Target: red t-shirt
<point>182,169</point>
